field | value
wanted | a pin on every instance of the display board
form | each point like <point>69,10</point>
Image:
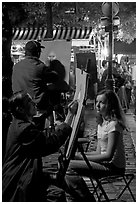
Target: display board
<point>87,61</point>
<point>61,49</point>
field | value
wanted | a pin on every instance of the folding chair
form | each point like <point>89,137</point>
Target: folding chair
<point>125,180</point>
<point>98,184</point>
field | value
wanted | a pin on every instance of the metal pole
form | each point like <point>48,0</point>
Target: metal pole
<point>110,83</point>
<point>76,12</point>
<point>49,20</point>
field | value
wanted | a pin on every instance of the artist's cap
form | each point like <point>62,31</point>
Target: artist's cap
<point>33,46</point>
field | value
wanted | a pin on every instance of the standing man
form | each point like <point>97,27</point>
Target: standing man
<point>32,75</point>
<point>103,68</point>
<point>119,81</point>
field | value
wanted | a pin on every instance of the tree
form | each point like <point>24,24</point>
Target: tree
<point>127,15</point>
<point>50,21</point>
<point>6,55</point>
<point>76,14</point>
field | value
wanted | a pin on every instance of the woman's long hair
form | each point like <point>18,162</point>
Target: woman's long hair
<point>114,108</point>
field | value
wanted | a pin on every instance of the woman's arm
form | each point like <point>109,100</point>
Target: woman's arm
<point>79,156</point>
<point>112,142</point>
<point>98,149</point>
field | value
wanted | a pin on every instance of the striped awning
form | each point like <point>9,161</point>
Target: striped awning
<point>58,33</point>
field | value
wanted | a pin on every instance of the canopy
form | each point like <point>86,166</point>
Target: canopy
<point>66,33</point>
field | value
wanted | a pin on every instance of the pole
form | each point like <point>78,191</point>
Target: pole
<point>110,83</point>
<point>49,20</point>
<point>76,12</point>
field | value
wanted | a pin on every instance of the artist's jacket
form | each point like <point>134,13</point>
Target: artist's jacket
<point>22,167</point>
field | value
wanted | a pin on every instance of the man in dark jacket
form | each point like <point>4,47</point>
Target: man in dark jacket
<point>32,75</point>
<point>22,177</point>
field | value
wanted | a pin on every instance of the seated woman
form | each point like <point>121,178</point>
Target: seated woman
<point>22,177</point>
<point>109,157</point>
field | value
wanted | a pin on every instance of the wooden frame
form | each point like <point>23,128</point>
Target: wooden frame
<point>81,97</point>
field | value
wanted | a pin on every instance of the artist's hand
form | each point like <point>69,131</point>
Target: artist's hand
<point>73,107</point>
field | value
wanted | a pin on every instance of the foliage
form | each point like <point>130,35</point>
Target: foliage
<point>127,15</point>
<point>76,14</point>
<point>6,57</point>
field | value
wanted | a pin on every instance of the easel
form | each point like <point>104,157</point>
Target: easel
<point>81,96</point>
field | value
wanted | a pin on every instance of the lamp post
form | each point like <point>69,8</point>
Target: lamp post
<point>49,20</point>
<point>110,9</point>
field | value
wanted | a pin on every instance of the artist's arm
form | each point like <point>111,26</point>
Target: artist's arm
<point>36,143</point>
<point>72,109</point>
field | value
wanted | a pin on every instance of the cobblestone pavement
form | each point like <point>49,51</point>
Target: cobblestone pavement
<point>50,162</point>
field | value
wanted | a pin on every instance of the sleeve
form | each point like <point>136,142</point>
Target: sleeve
<point>36,143</point>
<point>114,126</point>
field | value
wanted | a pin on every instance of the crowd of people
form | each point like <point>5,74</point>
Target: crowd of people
<point>37,89</point>
<point>124,83</point>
